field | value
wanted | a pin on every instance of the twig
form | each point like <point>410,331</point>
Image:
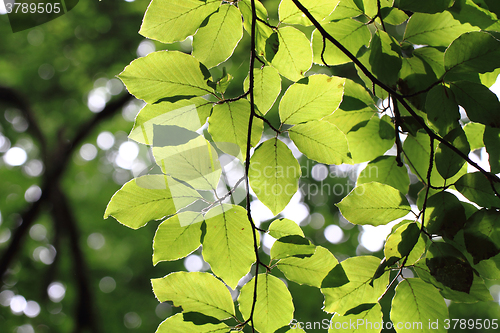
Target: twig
<point>253,55</point>
<point>379,14</point>
<point>266,23</point>
<point>397,125</point>
<point>268,123</point>
<point>206,209</point>
<point>323,52</point>
<point>234,99</point>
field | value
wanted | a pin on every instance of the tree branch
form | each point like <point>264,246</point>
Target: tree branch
<point>11,96</point>
<point>491,177</point>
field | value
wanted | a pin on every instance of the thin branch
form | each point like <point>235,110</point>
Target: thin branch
<point>323,52</point>
<point>379,14</point>
<point>234,99</point>
<point>428,185</point>
<point>11,96</point>
<point>268,123</point>
<point>206,209</point>
<point>397,125</point>
<point>424,90</point>
<point>266,23</point>
<point>491,177</point>
<point>253,55</point>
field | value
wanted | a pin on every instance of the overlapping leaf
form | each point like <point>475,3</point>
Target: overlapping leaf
<point>165,74</point>
<point>274,174</point>
<point>374,203</point>
<point>311,98</point>
<point>149,198</point>
<point>195,292</point>
<point>216,41</point>
<point>228,243</point>
<point>273,307</point>
<point>173,20</point>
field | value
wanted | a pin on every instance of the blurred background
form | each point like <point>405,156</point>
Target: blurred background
<point>64,121</point>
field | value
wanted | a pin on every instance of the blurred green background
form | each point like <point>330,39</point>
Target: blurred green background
<point>64,120</point>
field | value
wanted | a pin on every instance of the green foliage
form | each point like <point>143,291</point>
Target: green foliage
<point>369,77</point>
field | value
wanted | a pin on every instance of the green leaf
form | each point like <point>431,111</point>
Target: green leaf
<point>393,15</point>
<point>433,57</point>
<point>294,56</point>
<point>274,174</point>
<point>273,307</point>
<point>345,9</point>
<point>262,31</point>
<point>290,246</point>
<point>365,318</point>
<point>477,292</point>
<point>224,81</point>
<point>358,290</point>
<point>352,34</point>
<point>194,162</point>
<point>147,198</point>
<point>267,87</point>
<point>228,243</point>
<point>196,292</point>
<point>320,9</point>
<point>425,6</point>
<point>321,141</point>
<point>418,302</point>
<point>434,29</point>
<point>444,215</point>
<point>284,227</point>
<point>448,162</point>
<point>384,169</point>
<point>229,124</point>
<point>165,74</point>
<point>370,139</point>
<point>385,57</point>
<point>310,270</point>
<point>476,187</point>
<point>178,323</point>
<point>482,235</point>
<point>311,98</point>
<point>417,150</point>
<point>187,113</point>
<point>473,52</point>
<point>370,7</point>
<point>442,109</point>
<point>177,237</point>
<point>449,267</point>
<point>469,11</point>
<point>357,106</point>
<point>401,242</point>
<point>374,204</point>
<point>474,133</point>
<point>491,139</point>
<point>171,21</point>
<point>215,42</point>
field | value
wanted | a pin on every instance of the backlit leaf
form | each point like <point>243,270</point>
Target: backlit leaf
<point>228,243</point>
<point>290,14</point>
<point>147,198</point>
<point>215,42</point>
<point>311,98</point>
<point>418,302</point>
<point>196,292</point>
<point>173,20</point>
<point>358,290</point>
<point>274,174</point>
<point>374,203</point>
<point>165,74</point>
<point>273,308</point>
<point>321,141</point>
<point>294,56</point>
<point>267,87</point>
<point>310,270</point>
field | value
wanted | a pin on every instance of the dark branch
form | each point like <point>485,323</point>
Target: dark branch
<point>12,97</point>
